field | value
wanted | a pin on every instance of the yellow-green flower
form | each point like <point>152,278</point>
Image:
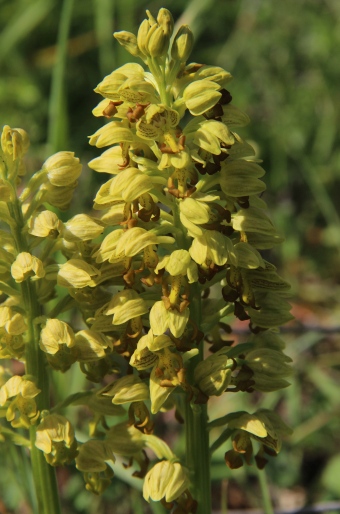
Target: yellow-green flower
<point>62,169</point>
<point>92,460</point>
<point>27,266</point>
<point>77,273</point>
<point>22,409</point>
<point>166,480</point>
<point>54,335</point>
<point>55,437</point>
<point>45,224</point>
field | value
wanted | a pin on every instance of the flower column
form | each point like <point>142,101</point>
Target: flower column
<point>185,214</point>
<point>31,392</point>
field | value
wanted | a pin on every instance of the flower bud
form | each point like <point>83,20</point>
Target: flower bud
<point>62,168</point>
<point>82,228</point>
<point>158,43</point>
<point>77,273</point>
<point>213,375</point>
<point>142,36</point>
<point>129,42</point>
<point>14,142</point>
<point>273,363</point>
<point>182,44</point>
<point>58,196</point>
<point>166,21</point>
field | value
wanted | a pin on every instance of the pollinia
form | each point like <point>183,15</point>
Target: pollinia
<point>169,258</point>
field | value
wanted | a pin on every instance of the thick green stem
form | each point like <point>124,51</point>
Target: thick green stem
<point>43,474</point>
<point>196,432</point>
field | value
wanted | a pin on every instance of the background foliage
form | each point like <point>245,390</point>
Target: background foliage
<point>284,58</point>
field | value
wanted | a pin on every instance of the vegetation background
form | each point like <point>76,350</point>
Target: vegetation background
<point>284,57</point>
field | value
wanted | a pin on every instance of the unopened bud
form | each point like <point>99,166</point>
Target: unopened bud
<point>166,21</point>
<point>59,196</point>
<point>213,375</point>
<point>183,43</point>
<point>165,480</point>
<point>14,142</point>
<point>142,36</point>
<point>62,168</point>
<point>158,43</point>
<point>129,42</point>
<point>82,228</point>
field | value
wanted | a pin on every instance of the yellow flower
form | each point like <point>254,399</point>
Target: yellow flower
<point>90,345</point>
<point>54,335</point>
<point>146,353</point>
<point>77,273</point>
<point>127,389</point>
<point>136,239</point>
<point>264,426</point>
<point>126,305</point>
<point>166,480</point>
<point>156,351</point>
<point>109,162</point>
<point>82,228</point>
<point>22,410</point>
<point>201,95</point>
<point>11,321</point>
<point>45,224</point>
<point>55,437</point>
<point>162,319</point>
<point>62,168</point>
<point>26,266</point>
<point>179,263</point>
<point>111,133</point>
<point>211,246</point>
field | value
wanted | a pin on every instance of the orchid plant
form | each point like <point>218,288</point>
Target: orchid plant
<point>169,259</point>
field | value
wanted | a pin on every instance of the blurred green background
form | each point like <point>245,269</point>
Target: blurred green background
<point>284,57</point>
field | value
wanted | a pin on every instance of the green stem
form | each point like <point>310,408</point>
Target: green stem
<point>196,431</point>
<point>266,500</point>
<point>57,126</point>
<point>43,474</point>
<point>159,73</point>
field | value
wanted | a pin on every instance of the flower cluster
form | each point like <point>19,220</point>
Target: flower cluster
<point>181,213</point>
